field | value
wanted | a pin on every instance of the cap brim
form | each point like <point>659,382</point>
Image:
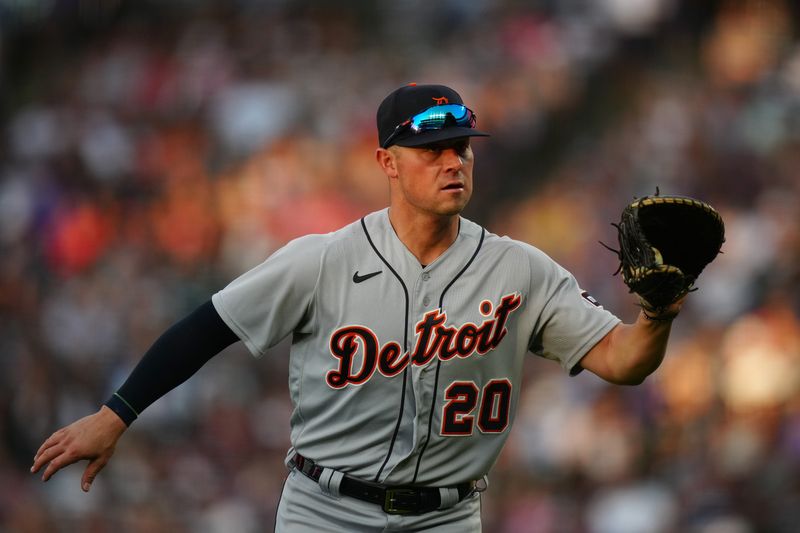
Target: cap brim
<point>432,136</point>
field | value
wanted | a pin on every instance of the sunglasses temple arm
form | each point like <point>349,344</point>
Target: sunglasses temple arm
<point>395,133</point>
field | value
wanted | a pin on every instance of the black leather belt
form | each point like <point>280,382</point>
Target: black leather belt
<point>392,499</point>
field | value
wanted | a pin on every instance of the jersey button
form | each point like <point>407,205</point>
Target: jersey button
<point>425,276</point>
<point>426,301</point>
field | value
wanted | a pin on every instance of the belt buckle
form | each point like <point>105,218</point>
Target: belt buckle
<point>401,501</point>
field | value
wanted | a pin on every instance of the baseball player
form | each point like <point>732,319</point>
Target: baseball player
<point>409,331</point>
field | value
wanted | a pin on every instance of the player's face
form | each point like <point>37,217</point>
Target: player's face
<point>435,178</point>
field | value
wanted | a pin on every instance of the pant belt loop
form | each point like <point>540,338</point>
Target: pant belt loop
<point>329,481</point>
<point>289,460</point>
<point>448,497</point>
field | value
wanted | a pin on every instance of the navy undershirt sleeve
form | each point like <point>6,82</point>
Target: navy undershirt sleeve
<point>175,356</point>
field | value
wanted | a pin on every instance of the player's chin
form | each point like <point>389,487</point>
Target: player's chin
<point>454,206</point>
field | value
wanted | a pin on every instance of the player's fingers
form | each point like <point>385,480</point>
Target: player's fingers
<point>46,456</point>
<point>91,472</point>
<point>54,466</point>
<point>65,458</point>
<point>51,440</point>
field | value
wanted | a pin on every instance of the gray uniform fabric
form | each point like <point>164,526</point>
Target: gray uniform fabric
<point>402,374</point>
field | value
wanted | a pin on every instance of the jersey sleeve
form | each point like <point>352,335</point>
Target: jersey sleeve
<point>570,322</point>
<point>274,299</point>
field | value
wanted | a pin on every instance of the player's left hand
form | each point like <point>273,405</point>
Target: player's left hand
<point>93,437</point>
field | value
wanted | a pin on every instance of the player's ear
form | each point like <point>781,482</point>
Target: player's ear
<point>387,160</point>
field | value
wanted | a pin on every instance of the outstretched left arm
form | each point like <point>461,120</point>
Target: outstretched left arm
<point>631,352</point>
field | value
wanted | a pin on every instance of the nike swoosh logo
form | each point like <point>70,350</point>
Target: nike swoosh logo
<point>365,277</point>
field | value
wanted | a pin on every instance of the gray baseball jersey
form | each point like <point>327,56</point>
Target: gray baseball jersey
<point>402,374</point>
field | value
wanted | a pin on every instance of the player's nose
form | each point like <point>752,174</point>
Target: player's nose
<point>452,159</point>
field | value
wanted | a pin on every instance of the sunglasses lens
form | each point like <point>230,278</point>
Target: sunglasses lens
<point>441,116</point>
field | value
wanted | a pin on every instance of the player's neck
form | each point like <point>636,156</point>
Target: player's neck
<point>425,236</point>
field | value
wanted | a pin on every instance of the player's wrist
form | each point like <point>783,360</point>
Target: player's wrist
<point>122,409</point>
<point>656,317</point>
<point>663,313</point>
<point>112,420</point>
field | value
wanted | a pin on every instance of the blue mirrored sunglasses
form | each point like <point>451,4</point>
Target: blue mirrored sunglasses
<point>435,118</point>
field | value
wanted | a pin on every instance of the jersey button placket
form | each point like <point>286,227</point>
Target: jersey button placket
<point>426,300</point>
<point>421,290</point>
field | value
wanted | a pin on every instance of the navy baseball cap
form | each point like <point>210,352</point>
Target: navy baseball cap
<point>415,115</point>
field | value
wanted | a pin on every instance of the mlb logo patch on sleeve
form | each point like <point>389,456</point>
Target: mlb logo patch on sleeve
<point>589,298</point>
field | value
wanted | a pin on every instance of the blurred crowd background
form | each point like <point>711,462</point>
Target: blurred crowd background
<point>152,151</point>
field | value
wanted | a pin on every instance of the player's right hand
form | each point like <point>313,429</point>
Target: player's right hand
<point>93,437</point>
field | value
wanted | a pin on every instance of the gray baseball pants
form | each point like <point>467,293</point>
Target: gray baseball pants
<point>304,507</point>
